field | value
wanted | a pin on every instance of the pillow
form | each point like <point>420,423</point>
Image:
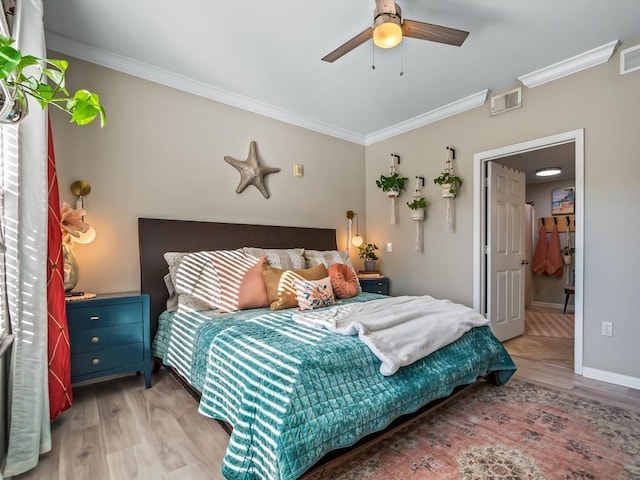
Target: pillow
<point>241,285</point>
<point>280,284</point>
<point>194,279</point>
<point>285,259</point>
<point>327,258</point>
<point>314,293</point>
<point>343,280</point>
<point>172,301</point>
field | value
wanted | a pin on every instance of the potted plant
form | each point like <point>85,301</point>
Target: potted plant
<point>392,185</point>
<point>367,252</point>
<point>417,206</point>
<point>22,75</point>
<point>449,183</point>
<point>567,252</point>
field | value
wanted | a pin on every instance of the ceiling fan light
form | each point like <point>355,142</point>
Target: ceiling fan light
<point>548,171</point>
<point>387,32</point>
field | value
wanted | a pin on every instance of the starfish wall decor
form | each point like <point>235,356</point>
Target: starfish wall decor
<point>251,172</point>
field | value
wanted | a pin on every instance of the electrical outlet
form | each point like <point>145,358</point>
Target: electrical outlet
<point>607,329</point>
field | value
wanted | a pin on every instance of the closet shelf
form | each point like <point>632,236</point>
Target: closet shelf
<point>560,220</point>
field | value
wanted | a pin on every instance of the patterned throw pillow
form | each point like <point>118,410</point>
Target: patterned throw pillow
<point>280,284</point>
<point>327,258</point>
<point>284,259</point>
<point>343,280</point>
<point>313,294</point>
<point>241,285</point>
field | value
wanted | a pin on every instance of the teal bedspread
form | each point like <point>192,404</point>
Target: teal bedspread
<point>293,393</point>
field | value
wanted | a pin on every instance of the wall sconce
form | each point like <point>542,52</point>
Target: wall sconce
<point>356,240</point>
<point>81,189</point>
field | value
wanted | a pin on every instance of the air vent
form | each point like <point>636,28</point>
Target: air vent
<point>506,101</point>
<point>630,60</point>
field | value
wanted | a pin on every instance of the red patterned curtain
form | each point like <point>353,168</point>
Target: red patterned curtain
<point>60,395</point>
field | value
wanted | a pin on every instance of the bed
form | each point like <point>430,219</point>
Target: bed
<point>291,393</point>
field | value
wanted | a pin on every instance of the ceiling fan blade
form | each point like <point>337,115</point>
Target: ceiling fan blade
<point>350,45</point>
<point>433,33</point>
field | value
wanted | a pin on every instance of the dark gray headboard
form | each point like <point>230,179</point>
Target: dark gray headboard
<point>157,236</point>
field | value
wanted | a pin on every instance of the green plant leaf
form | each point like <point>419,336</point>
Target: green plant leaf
<point>9,60</point>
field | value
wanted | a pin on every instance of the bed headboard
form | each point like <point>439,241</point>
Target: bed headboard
<point>157,236</point>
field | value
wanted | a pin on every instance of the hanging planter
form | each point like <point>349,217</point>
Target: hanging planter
<point>43,79</point>
<point>394,192</point>
<point>418,208</point>
<point>392,185</point>
<point>449,184</point>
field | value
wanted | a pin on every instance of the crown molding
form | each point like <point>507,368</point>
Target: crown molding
<point>571,65</point>
<point>148,72</point>
<point>440,113</point>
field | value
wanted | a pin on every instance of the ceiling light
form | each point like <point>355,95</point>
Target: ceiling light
<point>387,32</point>
<point>548,171</point>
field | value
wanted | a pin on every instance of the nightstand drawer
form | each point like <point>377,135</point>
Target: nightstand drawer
<point>96,316</point>
<point>375,285</point>
<point>100,338</point>
<point>106,359</point>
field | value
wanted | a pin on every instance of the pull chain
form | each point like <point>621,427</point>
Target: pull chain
<point>402,59</point>
<point>373,56</point>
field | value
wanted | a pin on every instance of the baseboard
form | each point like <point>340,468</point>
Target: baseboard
<point>557,306</point>
<point>610,377</point>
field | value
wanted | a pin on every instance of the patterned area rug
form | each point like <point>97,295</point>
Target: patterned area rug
<point>516,431</point>
<point>547,324</point>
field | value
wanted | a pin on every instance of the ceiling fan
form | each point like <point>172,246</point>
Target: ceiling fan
<point>389,28</point>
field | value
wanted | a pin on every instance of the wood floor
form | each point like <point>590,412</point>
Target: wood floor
<point>117,429</point>
<point>549,349</point>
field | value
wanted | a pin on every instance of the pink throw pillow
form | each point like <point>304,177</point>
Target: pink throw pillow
<point>343,280</point>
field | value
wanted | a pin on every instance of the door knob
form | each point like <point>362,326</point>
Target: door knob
<point>525,262</point>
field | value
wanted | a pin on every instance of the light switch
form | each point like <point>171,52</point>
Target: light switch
<point>298,170</point>
<point>389,247</point>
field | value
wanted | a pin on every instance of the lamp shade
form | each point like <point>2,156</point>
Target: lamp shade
<point>387,34</point>
<point>86,237</point>
<point>357,240</point>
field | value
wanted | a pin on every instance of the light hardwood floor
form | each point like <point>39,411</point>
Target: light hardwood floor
<point>554,350</point>
<point>117,429</point>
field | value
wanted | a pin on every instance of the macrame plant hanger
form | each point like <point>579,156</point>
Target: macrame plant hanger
<point>393,193</point>
<point>418,216</point>
<point>451,208</point>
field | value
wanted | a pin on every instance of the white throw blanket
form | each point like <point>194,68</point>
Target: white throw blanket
<point>398,330</point>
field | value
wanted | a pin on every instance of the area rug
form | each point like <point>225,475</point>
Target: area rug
<point>549,324</point>
<point>515,431</point>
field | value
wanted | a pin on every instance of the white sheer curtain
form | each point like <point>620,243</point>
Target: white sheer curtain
<point>24,161</point>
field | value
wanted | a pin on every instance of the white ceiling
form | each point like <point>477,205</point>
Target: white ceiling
<point>265,56</point>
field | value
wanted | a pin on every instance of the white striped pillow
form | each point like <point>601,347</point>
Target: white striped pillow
<point>194,279</point>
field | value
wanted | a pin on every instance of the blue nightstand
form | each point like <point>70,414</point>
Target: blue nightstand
<point>375,285</point>
<point>109,334</point>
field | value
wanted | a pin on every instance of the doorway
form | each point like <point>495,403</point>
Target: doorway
<point>481,271</point>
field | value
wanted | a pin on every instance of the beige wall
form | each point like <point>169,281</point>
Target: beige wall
<point>161,155</point>
<point>599,100</point>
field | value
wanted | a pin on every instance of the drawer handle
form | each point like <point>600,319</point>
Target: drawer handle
<point>94,317</point>
<point>95,361</point>
<point>95,339</point>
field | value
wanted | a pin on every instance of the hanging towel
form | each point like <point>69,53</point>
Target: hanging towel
<point>539,261</point>
<point>555,264</point>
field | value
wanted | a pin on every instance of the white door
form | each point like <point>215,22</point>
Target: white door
<point>505,249</point>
